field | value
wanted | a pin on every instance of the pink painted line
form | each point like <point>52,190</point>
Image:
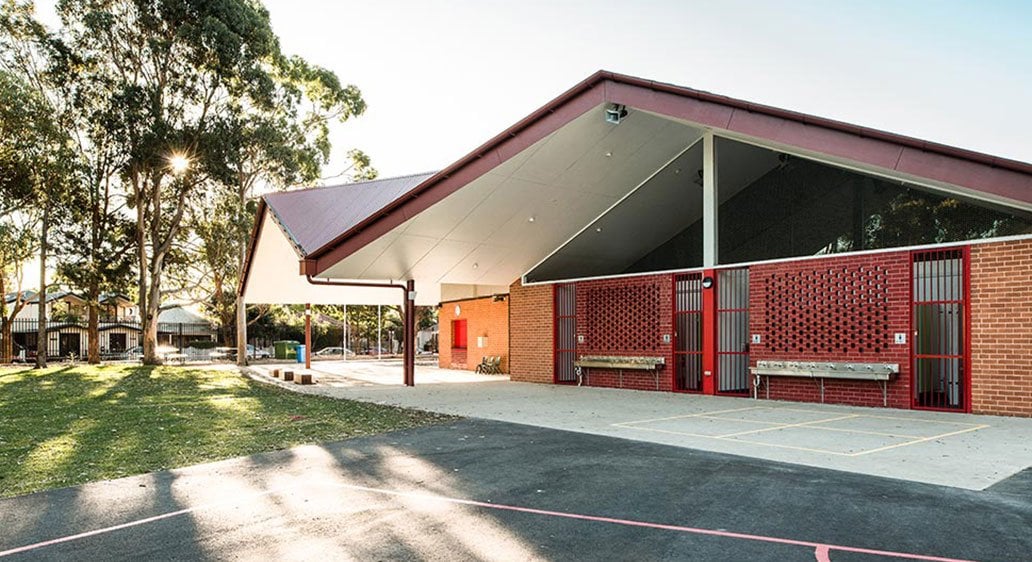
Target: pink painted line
<point>818,547</point>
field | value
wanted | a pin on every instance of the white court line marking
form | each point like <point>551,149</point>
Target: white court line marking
<point>820,549</point>
<point>143,521</point>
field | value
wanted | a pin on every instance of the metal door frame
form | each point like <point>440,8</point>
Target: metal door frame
<point>728,331</point>
<point>675,383</point>
<point>557,351</point>
<point>965,340</point>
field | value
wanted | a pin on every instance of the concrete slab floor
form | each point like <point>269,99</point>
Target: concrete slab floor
<point>964,451</point>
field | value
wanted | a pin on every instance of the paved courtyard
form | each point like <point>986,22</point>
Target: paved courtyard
<point>964,451</point>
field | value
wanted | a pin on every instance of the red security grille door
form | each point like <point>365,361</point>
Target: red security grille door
<point>940,374</point>
<point>688,332</point>
<point>565,333</point>
<point>733,331</point>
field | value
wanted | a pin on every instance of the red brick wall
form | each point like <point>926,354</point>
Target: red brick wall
<point>484,317</point>
<point>531,331</point>
<point>627,316</point>
<point>836,309</point>
<point>1001,328</point>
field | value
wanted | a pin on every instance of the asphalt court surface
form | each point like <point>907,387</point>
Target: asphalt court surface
<point>820,431</point>
<point>484,490</point>
<point>943,448</point>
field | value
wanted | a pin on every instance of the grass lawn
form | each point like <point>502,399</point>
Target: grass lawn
<point>75,424</point>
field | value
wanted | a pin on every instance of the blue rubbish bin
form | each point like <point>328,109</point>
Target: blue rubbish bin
<point>301,353</point>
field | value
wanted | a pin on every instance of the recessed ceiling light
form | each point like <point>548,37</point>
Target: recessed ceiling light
<point>476,265</point>
<point>531,219</point>
<point>677,171</point>
<point>598,229</point>
<point>608,154</point>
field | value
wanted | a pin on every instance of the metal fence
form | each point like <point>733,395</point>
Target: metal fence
<point>118,339</point>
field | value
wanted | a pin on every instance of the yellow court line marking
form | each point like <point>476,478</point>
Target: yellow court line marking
<point>671,432</point>
<point>808,449</point>
<point>786,426</point>
<point>690,415</point>
<point>922,440</point>
<point>865,432</point>
<point>882,417</point>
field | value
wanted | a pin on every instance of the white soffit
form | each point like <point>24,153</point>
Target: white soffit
<point>274,278</point>
<point>483,233</point>
<point>662,207</point>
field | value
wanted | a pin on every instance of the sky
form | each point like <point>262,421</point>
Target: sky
<point>441,78</point>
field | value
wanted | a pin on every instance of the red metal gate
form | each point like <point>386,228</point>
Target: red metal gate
<point>688,332</point>
<point>732,309</point>
<point>940,374</point>
<point>565,333</point>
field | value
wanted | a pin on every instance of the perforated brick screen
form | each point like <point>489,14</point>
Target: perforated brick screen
<point>841,309</point>
<point>623,317</point>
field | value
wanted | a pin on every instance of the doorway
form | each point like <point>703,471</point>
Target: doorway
<point>940,376</point>
<point>565,333</point>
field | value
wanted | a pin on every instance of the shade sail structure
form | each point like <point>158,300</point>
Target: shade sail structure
<point>567,178</point>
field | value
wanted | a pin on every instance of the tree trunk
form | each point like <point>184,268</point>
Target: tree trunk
<point>93,325</point>
<point>6,345</point>
<point>241,330</point>
<point>7,354</point>
<point>41,296</point>
<point>150,324</point>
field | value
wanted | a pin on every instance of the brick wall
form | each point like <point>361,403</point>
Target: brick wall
<point>484,317</point>
<point>1001,328</point>
<point>531,331</point>
<point>835,309</point>
<point>627,316</point>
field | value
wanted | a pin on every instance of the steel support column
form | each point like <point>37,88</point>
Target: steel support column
<point>308,336</point>
<point>409,346</point>
<point>710,200</point>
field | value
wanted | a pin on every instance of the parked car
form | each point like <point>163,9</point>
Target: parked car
<point>136,353</point>
<point>335,350</point>
<point>223,353</point>
<point>257,353</point>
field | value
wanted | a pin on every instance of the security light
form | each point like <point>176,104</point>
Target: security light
<point>707,282</point>
<point>615,113</point>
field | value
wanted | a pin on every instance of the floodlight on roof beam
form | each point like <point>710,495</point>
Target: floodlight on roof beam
<point>615,112</point>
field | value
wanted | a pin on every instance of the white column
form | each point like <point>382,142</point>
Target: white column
<point>710,201</point>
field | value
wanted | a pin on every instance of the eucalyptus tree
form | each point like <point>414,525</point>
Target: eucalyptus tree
<point>275,146</point>
<point>35,154</point>
<point>178,69</point>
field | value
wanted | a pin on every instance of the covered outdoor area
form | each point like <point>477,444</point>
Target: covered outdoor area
<point>640,223</point>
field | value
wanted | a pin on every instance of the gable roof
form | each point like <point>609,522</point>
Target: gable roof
<point>976,173</point>
<point>313,217</point>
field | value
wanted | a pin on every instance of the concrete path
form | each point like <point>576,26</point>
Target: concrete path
<point>483,490</point>
<point>948,449</point>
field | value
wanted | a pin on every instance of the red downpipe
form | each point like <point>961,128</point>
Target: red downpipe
<point>408,291</point>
